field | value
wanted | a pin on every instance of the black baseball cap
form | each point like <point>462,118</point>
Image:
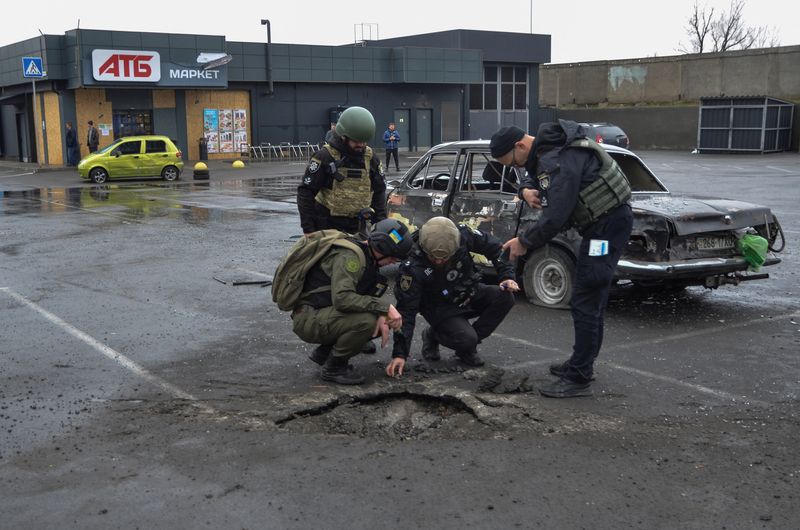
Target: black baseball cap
<point>504,139</point>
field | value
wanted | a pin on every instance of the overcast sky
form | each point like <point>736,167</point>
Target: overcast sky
<point>581,30</point>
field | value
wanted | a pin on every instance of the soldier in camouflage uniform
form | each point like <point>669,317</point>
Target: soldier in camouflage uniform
<point>341,306</point>
<point>343,178</point>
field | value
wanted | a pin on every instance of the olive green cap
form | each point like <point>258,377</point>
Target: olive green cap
<point>439,238</point>
<point>357,124</point>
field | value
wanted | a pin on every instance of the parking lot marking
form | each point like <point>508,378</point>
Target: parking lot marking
<point>527,343</point>
<point>781,169</point>
<point>706,331</point>
<point>720,394</point>
<point>16,175</point>
<point>112,354</point>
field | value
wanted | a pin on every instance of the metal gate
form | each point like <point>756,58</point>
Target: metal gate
<point>757,124</point>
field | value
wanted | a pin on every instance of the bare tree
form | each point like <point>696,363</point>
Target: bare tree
<point>698,28</point>
<point>727,30</point>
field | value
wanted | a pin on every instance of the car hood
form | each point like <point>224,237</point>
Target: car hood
<point>691,215</point>
<point>89,158</point>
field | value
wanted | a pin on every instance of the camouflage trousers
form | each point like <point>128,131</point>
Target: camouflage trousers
<point>346,332</point>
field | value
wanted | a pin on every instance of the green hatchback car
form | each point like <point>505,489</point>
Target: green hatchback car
<point>131,157</point>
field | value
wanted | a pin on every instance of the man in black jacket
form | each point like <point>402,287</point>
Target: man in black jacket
<point>344,178</point>
<point>576,183</point>
<point>439,281</point>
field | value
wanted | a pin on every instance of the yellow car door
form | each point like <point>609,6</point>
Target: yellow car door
<point>155,157</point>
<point>125,159</point>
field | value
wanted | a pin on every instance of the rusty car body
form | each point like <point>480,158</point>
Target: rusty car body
<point>677,241</point>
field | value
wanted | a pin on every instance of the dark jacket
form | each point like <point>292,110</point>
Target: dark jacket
<point>314,216</point>
<point>387,135</point>
<point>71,138</point>
<point>443,293</point>
<point>559,173</point>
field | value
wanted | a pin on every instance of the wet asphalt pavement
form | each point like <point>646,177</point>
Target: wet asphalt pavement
<point>136,391</point>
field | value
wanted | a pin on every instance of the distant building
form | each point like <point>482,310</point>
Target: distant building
<point>436,87</point>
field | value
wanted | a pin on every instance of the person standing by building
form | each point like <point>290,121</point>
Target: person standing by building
<point>391,138</point>
<point>71,141</point>
<point>439,281</point>
<point>343,178</point>
<point>329,135</point>
<point>92,137</point>
<point>341,306</point>
<point>575,183</point>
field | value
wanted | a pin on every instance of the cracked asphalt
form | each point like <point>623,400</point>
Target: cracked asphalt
<point>138,392</point>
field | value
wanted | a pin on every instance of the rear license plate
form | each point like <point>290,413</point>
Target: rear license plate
<point>715,243</point>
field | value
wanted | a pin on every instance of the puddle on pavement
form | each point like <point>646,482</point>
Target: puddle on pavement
<point>191,201</point>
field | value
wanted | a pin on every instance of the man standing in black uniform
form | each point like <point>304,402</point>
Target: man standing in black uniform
<point>576,183</point>
<point>343,178</point>
<point>439,281</point>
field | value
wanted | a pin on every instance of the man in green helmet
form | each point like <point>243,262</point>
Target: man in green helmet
<point>344,178</point>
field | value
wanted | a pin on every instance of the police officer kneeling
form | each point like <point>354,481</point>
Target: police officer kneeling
<point>341,306</point>
<point>439,281</point>
<point>578,184</point>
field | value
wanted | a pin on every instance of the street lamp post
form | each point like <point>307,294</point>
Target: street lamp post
<point>265,22</point>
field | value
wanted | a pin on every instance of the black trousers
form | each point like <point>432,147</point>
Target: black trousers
<point>392,153</point>
<point>593,277</point>
<point>490,306</point>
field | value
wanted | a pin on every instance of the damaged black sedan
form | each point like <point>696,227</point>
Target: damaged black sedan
<point>677,241</point>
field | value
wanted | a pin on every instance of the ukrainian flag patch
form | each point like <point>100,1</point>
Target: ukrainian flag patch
<point>395,235</point>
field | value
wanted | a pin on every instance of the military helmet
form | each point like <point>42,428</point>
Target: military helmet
<point>391,238</point>
<point>357,124</point>
<point>439,238</point>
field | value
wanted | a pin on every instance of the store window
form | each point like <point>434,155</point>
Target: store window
<point>132,123</point>
<point>503,87</point>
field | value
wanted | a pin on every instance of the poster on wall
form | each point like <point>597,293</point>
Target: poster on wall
<point>240,129</point>
<point>211,129</point>
<point>226,131</point>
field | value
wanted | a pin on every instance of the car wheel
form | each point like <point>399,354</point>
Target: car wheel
<point>548,277</point>
<point>170,173</point>
<point>98,175</point>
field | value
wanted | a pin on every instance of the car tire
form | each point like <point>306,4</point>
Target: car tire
<point>170,173</point>
<point>549,277</point>
<point>98,175</point>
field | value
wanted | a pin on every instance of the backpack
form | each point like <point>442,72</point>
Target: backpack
<point>290,276</point>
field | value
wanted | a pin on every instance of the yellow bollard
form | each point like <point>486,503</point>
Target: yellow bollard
<point>237,164</point>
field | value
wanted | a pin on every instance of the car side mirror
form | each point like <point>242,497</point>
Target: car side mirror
<point>116,153</point>
<point>393,183</point>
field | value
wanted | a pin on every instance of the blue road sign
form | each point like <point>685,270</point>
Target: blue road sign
<point>32,67</point>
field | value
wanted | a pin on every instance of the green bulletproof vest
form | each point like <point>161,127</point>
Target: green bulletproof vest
<point>352,191</point>
<point>610,190</point>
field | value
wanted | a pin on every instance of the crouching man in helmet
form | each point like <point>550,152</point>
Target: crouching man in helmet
<point>439,281</point>
<point>341,306</point>
<point>343,178</point>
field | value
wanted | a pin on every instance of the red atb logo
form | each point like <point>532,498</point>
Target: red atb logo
<point>126,65</point>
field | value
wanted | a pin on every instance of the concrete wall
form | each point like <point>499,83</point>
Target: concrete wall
<point>677,79</point>
<point>656,100</point>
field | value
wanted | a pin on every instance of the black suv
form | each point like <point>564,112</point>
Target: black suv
<point>607,133</point>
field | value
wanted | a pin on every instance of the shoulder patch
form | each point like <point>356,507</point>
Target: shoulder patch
<point>405,282</point>
<point>313,166</point>
<point>351,265</point>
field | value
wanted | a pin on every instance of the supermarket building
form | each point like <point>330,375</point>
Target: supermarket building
<point>450,85</point>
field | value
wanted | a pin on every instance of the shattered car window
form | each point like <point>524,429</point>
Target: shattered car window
<point>640,178</point>
<point>485,174</point>
<point>435,173</point>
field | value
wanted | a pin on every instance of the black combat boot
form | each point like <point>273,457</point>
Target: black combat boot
<point>558,369</point>
<point>563,370</point>
<point>566,388</point>
<point>321,353</point>
<point>470,358</point>
<point>430,348</point>
<point>338,370</point>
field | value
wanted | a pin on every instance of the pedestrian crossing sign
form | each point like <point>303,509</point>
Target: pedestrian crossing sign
<point>32,67</point>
